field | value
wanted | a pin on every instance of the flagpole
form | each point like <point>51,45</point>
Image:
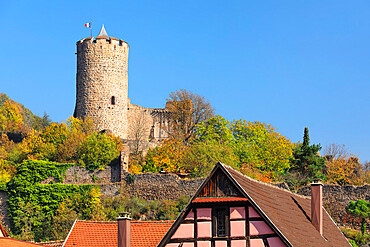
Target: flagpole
<point>91,28</point>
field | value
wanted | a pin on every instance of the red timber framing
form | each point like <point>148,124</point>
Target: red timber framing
<point>218,192</point>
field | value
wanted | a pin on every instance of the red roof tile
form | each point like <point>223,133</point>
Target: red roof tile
<point>105,233</point>
<point>10,242</point>
<point>220,199</point>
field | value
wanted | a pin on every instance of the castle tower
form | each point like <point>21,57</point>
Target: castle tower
<point>102,89</point>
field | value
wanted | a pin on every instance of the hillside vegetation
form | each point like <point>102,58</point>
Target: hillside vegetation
<point>197,140</point>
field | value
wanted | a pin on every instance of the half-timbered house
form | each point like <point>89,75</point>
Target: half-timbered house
<point>232,210</point>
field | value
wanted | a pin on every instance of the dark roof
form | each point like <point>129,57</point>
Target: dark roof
<point>105,233</point>
<point>289,212</point>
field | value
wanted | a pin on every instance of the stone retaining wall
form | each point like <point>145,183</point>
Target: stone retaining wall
<point>4,220</point>
<point>81,175</point>
<point>151,186</point>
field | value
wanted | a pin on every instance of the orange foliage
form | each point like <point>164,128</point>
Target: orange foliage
<point>257,174</point>
<point>169,155</point>
<point>345,171</point>
<point>10,117</point>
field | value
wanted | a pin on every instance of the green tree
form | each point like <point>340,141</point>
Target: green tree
<point>307,164</point>
<point>40,123</point>
<point>261,146</point>
<point>98,150</point>
<point>216,129</point>
<point>360,209</point>
<point>201,157</point>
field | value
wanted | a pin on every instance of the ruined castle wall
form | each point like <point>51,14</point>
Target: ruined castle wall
<point>81,175</point>
<point>102,83</point>
<point>139,123</point>
<point>156,118</point>
<point>146,126</point>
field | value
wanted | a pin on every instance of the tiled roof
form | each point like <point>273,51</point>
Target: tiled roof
<point>290,213</point>
<point>105,233</point>
<point>220,199</point>
<point>10,242</point>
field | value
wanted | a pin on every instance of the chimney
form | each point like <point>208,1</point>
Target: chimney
<point>316,206</point>
<point>124,229</point>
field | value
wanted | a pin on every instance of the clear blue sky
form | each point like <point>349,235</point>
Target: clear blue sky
<point>287,63</point>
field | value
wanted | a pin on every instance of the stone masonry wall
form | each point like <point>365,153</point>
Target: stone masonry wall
<point>102,83</point>
<point>80,175</point>
<point>152,186</point>
<point>336,198</point>
<point>4,220</point>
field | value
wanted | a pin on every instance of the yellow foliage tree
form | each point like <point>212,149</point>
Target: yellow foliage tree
<point>168,157</point>
<point>10,117</point>
<point>344,171</point>
<point>7,169</point>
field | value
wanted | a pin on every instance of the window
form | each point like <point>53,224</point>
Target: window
<point>221,222</point>
<point>113,100</point>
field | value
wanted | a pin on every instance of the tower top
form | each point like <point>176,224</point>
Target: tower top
<point>103,33</point>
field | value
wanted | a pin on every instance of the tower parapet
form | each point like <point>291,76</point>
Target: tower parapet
<point>102,82</point>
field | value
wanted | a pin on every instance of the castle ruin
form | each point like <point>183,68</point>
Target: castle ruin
<point>102,92</point>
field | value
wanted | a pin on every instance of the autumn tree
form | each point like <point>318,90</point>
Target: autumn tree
<point>242,144</point>
<point>342,167</point>
<point>186,109</point>
<point>345,171</point>
<point>10,117</point>
<point>167,157</point>
<point>72,141</point>
<point>359,209</point>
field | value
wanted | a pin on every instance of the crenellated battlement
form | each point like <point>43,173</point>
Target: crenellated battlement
<point>102,40</point>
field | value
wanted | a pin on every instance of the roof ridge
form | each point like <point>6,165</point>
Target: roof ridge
<point>96,221</point>
<point>267,184</point>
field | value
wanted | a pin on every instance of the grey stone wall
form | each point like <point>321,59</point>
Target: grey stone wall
<point>336,198</point>
<point>80,175</point>
<point>146,127</point>
<point>151,186</point>
<point>4,209</point>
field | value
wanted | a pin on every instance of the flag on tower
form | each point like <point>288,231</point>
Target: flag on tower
<point>88,24</point>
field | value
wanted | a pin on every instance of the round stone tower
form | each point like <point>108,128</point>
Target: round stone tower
<point>102,83</point>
